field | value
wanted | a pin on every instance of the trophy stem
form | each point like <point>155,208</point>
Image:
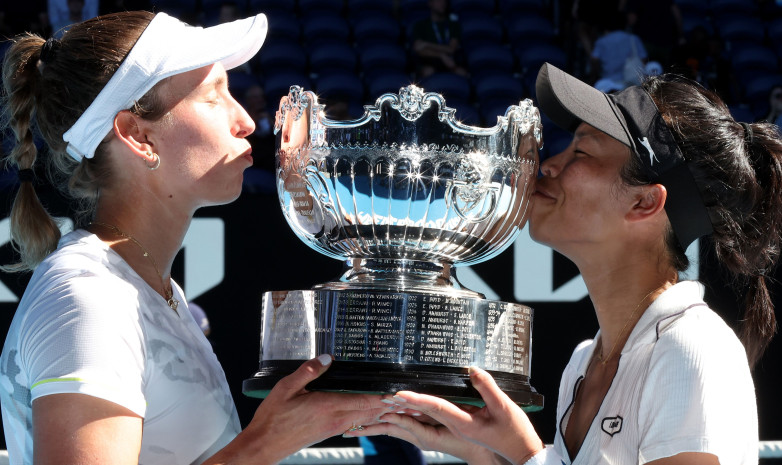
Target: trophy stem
<point>400,274</point>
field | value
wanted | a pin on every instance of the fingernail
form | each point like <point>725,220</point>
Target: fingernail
<point>399,398</point>
<point>387,401</point>
<point>324,359</point>
<point>417,414</point>
<point>401,412</point>
<point>347,435</point>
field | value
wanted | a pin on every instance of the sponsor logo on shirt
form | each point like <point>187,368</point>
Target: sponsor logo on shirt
<point>612,425</point>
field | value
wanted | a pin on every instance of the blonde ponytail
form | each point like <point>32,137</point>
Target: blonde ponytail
<point>47,86</point>
<point>34,233</point>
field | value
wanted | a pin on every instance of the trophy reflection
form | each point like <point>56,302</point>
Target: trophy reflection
<point>403,196</point>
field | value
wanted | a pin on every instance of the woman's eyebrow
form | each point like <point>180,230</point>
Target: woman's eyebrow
<point>220,81</point>
<point>579,136</point>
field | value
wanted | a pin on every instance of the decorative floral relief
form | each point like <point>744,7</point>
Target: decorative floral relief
<point>411,103</point>
<point>295,104</point>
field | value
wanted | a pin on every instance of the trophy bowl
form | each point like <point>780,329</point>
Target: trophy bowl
<point>403,196</point>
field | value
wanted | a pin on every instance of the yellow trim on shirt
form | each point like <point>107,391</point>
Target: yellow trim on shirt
<point>52,380</point>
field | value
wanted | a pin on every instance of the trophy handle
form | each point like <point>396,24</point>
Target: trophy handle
<point>453,194</point>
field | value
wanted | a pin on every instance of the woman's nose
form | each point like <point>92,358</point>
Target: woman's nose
<point>552,166</point>
<point>244,124</point>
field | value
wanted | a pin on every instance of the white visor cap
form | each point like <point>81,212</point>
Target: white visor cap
<point>166,47</point>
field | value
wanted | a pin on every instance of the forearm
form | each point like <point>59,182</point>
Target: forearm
<point>243,449</point>
<point>253,447</point>
<point>430,49</point>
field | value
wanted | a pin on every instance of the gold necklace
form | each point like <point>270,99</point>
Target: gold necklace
<point>168,291</point>
<point>598,349</point>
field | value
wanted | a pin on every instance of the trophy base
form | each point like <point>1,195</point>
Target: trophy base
<point>384,341</point>
<point>451,383</point>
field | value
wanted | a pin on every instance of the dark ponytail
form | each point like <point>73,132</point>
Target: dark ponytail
<point>762,231</point>
<point>738,168</point>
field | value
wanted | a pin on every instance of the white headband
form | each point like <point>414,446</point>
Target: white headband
<point>166,47</point>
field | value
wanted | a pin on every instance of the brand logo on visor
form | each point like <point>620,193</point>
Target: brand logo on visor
<point>652,157</point>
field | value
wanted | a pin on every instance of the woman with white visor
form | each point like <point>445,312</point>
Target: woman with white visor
<point>665,381</point>
<point>103,363</point>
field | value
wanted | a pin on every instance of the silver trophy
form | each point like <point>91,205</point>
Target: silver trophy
<point>403,196</point>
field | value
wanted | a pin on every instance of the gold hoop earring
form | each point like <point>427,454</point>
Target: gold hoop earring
<point>156,163</point>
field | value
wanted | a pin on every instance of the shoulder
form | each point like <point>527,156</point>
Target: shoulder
<point>77,248</point>
<point>692,353</point>
<point>697,368</point>
<point>81,255</point>
<point>681,323</point>
<point>698,333</point>
<point>81,285</point>
<point>77,289</point>
<point>80,317</point>
<point>79,307</point>
<point>609,41</point>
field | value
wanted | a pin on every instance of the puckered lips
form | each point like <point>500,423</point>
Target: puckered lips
<point>542,192</point>
<point>247,155</point>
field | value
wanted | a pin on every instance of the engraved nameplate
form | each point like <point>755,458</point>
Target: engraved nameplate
<point>396,327</point>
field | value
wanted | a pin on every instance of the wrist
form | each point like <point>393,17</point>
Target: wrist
<point>532,452</point>
<point>252,445</point>
<point>545,456</point>
<point>479,455</point>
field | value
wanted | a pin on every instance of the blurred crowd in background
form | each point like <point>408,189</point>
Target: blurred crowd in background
<point>482,55</point>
